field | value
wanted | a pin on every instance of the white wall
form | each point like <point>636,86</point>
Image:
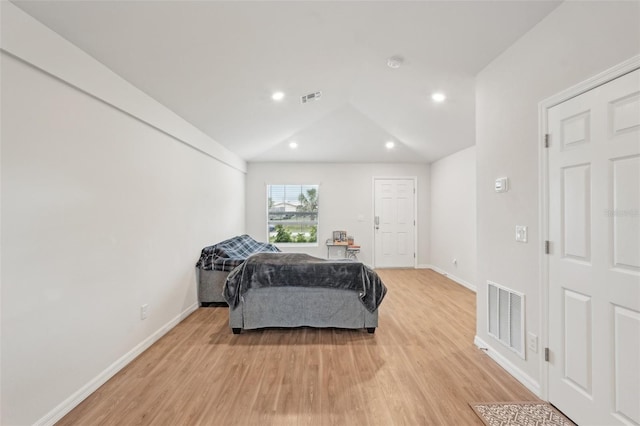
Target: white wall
<point>575,42</point>
<point>104,208</point>
<point>453,216</point>
<point>346,191</point>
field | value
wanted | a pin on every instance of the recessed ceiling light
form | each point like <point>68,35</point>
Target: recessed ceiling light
<point>390,144</point>
<point>293,144</point>
<point>277,96</point>
<point>438,97</point>
<point>395,61</point>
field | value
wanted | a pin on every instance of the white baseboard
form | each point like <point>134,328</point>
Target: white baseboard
<point>453,277</point>
<point>76,398</point>
<point>503,362</point>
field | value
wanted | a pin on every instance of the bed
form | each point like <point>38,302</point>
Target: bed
<point>295,289</point>
<point>218,260</point>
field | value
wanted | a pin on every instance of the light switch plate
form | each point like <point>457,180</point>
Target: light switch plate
<point>521,233</point>
<point>502,184</point>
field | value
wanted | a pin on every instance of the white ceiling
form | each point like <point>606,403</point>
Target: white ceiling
<point>216,64</point>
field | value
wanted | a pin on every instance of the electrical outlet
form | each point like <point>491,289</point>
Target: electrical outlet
<point>144,311</point>
<point>532,342</point>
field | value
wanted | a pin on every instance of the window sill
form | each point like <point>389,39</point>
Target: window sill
<point>296,244</point>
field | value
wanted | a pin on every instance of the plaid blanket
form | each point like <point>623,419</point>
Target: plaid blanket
<point>227,254</point>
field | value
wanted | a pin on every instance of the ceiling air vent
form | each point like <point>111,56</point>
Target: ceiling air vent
<point>310,97</point>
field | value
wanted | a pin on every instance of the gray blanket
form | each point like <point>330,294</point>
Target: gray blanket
<point>301,270</point>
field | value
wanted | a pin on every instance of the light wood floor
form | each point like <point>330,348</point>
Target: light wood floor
<point>419,368</point>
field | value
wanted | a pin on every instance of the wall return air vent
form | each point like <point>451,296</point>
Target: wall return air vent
<point>310,97</point>
<point>506,317</point>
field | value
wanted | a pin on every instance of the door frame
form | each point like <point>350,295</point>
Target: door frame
<point>606,76</point>
<point>415,214</point>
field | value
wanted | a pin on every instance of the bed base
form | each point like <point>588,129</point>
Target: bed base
<point>301,306</point>
<point>210,285</point>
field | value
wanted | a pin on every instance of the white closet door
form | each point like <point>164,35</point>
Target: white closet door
<point>594,264</point>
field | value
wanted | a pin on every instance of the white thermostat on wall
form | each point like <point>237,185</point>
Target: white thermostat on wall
<point>502,184</point>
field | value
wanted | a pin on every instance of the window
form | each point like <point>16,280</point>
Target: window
<point>293,213</point>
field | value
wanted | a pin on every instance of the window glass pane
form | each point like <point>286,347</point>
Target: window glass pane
<point>292,213</point>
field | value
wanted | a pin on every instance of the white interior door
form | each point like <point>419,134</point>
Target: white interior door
<point>394,223</point>
<point>594,263</point>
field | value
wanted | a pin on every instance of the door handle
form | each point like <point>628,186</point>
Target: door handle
<point>376,221</point>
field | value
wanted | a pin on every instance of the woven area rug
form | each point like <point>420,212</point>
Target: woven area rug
<point>528,413</point>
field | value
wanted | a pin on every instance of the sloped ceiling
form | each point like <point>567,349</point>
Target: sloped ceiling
<point>217,63</point>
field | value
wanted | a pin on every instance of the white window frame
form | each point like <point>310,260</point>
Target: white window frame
<point>269,222</point>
